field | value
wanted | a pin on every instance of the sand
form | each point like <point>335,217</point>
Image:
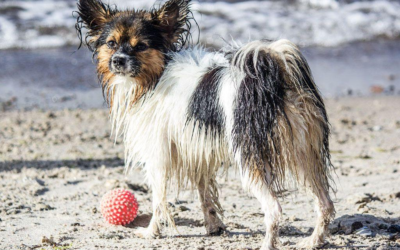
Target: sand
<point>56,165</point>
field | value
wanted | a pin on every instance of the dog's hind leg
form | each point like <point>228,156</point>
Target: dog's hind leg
<point>269,205</point>
<point>208,195</point>
<point>325,212</point>
<point>311,160</point>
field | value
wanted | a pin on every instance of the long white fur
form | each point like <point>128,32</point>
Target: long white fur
<point>157,135</point>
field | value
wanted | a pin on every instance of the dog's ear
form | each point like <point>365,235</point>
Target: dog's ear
<point>94,14</point>
<point>172,18</point>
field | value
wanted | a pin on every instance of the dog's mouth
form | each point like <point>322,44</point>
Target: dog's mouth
<point>125,71</point>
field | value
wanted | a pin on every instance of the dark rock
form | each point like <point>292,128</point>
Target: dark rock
<point>383,226</point>
<point>394,229</point>
<point>138,188</point>
<point>355,226</point>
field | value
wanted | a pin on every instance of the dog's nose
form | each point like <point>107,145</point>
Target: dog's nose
<point>119,61</point>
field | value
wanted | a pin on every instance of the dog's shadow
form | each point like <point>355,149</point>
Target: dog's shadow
<point>142,220</point>
<point>344,225</point>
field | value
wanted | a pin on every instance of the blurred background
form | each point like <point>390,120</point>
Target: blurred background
<point>352,46</point>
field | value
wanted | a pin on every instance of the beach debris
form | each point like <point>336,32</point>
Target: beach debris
<point>8,104</point>
<point>48,241</point>
<point>364,156</point>
<point>365,231</point>
<point>391,77</point>
<point>367,198</point>
<point>376,89</point>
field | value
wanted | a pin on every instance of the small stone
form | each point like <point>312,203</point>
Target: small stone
<point>377,128</point>
<point>395,195</point>
<point>285,242</point>
<point>361,206</point>
<point>48,241</point>
<point>365,156</point>
<point>294,218</point>
<point>51,115</point>
<point>183,208</point>
<point>44,207</point>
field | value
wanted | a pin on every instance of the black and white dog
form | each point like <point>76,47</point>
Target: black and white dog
<point>185,111</point>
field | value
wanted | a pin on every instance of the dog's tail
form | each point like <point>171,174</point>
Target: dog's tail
<point>280,126</point>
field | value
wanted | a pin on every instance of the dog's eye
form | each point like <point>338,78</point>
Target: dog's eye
<point>141,47</point>
<point>112,44</point>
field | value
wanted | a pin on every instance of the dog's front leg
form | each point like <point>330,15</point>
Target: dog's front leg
<point>156,176</point>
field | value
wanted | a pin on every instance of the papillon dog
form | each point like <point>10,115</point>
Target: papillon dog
<point>184,111</point>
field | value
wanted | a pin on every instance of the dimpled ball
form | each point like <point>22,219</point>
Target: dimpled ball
<point>119,207</point>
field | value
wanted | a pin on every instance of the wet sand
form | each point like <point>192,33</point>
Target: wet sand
<point>56,165</point>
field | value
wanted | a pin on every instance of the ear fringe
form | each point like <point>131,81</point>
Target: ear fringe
<point>91,15</point>
<point>183,24</point>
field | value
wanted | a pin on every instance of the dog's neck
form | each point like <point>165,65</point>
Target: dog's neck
<point>126,94</point>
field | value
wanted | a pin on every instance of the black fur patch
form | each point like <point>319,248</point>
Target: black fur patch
<point>204,105</point>
<point>259,104</point>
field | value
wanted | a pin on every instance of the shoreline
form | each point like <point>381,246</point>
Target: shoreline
<point>55,79</point>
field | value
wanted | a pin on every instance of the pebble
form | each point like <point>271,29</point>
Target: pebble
<point>294,218</point>
<point>43,207</point>
<point>183,208</point>
<point>395,195</point>
<point>377,128</point>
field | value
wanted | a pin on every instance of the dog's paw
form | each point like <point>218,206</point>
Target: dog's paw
<point>217,231</point>
<point>267,246</point>
<point>310,243</point>
<point>146,233</point>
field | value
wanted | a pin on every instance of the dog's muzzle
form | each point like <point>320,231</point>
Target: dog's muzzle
<point>124,65</point>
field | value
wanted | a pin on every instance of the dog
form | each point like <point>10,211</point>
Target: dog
<point>184,111</point>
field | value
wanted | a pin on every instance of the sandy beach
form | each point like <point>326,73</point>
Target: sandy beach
<point>56,165</point>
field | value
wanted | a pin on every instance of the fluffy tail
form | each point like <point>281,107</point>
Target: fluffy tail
<point>280,124</point>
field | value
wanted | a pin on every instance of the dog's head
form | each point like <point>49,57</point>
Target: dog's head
<point>133,43</point>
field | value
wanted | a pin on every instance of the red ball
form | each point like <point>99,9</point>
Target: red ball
<point>119,207</point>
